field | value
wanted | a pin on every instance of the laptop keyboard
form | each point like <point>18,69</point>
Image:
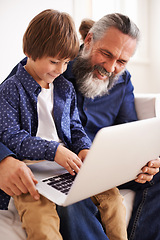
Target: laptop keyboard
<point>62,182</point>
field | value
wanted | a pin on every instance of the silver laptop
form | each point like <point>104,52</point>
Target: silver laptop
<point>116,156</point>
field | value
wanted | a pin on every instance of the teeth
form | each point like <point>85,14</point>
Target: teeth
<point>102,73</point>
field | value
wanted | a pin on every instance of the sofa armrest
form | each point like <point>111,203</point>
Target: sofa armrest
<point>147,105</point>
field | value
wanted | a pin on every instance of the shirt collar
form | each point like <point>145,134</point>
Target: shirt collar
<point>27,81</point>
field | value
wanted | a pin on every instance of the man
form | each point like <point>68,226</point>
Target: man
<point>105,98</point>
<point>107,49</point>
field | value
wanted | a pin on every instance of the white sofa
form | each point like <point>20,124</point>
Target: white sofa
<point>147,106</point>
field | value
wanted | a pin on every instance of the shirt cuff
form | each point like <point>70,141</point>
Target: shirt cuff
<point>5,152</point>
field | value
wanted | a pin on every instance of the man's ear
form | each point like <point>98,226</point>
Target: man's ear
<point>88,40</point>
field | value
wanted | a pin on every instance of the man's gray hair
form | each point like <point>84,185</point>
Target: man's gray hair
<point>117,20</point>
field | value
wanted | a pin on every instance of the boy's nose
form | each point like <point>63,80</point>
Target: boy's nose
<point>60,68</point>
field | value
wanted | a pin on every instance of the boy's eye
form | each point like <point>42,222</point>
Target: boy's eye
<point>53,62</point>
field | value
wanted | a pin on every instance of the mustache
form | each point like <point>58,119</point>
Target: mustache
<point>102,70</point>
<point>82,70</point>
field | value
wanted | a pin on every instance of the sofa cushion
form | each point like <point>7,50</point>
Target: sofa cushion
<point>147,105</point>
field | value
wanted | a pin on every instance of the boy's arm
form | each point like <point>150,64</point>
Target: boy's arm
<point>82,154</point>
<point>80,140</point>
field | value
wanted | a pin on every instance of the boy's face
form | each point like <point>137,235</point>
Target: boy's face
<point>46,69</point>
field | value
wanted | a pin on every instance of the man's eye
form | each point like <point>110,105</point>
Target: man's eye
<point>105,54</point>
<point>121,62</point>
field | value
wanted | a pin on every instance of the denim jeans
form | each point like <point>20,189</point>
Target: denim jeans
<point>145,220</point>
<point>79,221</point>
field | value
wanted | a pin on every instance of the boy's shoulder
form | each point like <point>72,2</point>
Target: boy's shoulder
<point>19,80</point>
<point>9,82</point>
<point>11,85</point>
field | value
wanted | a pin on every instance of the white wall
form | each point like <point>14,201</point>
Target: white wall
<point>145,72</point>
<point>154,70</point>
<point>15,16</point>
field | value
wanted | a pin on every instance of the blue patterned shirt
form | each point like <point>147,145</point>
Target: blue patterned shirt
<point>19,120</point>
<point>4,198</point>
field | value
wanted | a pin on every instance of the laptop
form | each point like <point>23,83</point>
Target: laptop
<point>116,156</point>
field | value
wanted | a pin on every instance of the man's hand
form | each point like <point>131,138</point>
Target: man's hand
<point>16,178</point>
<point>149,171</point>
<point>67,159</point>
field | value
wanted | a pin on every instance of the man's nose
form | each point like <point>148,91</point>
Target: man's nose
<point>110,66</point>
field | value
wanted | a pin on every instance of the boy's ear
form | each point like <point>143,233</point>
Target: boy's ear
<point>88,40</point>
<point>27,55</point>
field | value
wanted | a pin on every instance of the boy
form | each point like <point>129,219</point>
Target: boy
<point>50,42</point>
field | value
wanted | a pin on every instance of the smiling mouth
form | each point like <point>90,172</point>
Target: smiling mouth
<point>53,76</point>
<point>102,71</point>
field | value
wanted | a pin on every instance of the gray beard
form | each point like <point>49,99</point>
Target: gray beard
<point>88,84</point>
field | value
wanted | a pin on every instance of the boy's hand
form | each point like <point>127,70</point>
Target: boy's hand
<point>67,159</point>
<point>82,154</point>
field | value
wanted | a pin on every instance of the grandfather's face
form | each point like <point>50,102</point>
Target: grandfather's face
<point>99,65</point>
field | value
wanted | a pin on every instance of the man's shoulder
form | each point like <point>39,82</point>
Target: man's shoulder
<point>127,74</point>
<point>68,74</point>
<point>63,82</point>
<point>124,77</point>
<point>123,82</point>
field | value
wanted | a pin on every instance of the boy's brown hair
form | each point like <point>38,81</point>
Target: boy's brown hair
<point>51,33</point>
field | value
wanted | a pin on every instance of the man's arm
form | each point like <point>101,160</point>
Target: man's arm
<point>15,177</point>
<point>127,113</point>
